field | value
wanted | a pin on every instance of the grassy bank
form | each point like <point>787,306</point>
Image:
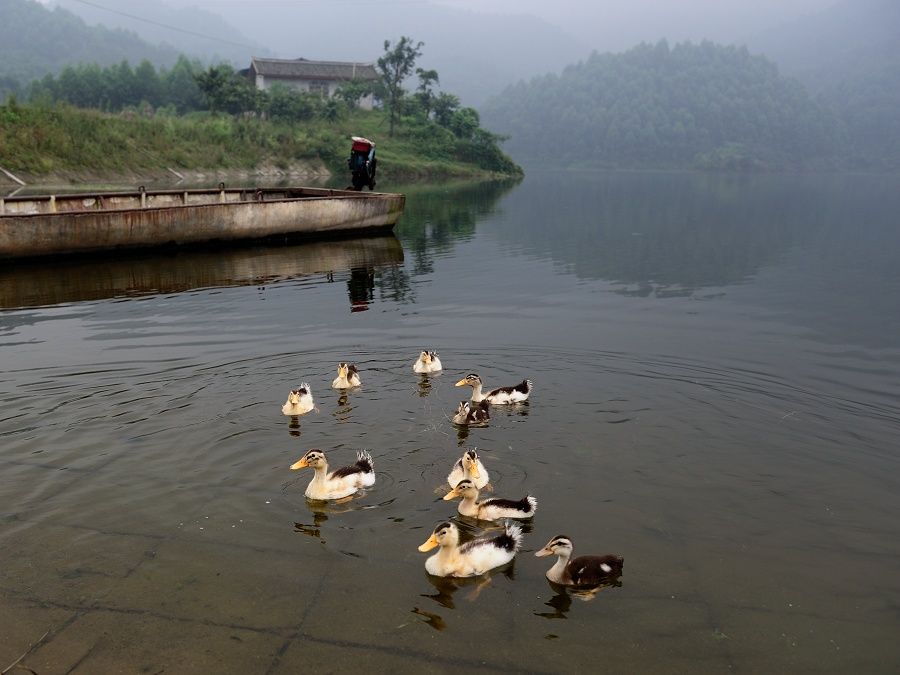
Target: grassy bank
<point>61,140</point>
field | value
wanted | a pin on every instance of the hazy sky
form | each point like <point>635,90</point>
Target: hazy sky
<point>610,24</point>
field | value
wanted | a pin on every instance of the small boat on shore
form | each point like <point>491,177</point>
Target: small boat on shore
<point>98,222</point>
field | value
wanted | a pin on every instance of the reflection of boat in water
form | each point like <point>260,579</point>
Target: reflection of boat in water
<point>80,223</point>
<point>49,282</point>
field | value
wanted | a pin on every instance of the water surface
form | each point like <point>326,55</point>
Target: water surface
<point>716,367</point>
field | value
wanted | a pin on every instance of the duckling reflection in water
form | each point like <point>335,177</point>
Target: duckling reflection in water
<point>433,620</point>
<point>447,587</point>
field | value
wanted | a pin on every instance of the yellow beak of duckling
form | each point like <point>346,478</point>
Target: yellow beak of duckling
<point>430,544</point>
<point>544,551</point>
<point>461,383</point>
<point>299,465</point>
<point>451,495</point>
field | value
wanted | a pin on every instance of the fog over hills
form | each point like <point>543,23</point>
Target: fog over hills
<point>475,55</point>
<point>477,47</point>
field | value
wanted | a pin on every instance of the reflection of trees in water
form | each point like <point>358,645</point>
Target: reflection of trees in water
<point>662,233</point>
<point>395,285</point>
<point>435,217</point>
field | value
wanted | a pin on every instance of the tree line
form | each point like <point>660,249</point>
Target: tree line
<point>654,106</point>
<point>35,39</point>
<point>447,130</point>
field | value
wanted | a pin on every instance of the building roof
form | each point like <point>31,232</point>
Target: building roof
<point>303,68</point>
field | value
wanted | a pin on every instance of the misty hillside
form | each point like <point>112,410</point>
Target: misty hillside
<point>653,106</point>
<point>190,30</point>
<point>849,56</point>
<point>35,40</point>
<point>851,38</point>
<point>476,55</point>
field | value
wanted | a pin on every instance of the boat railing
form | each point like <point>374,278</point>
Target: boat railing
<point>142,199</point>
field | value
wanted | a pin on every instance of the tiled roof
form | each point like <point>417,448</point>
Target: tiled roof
<point>326,70</point>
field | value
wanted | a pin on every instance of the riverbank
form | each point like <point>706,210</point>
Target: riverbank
<point>66,145</point>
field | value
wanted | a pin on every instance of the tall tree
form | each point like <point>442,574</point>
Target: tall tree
<point>397,64</point>
<point>424,93</point>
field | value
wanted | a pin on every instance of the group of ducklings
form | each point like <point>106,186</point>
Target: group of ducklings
<point>466,478</point>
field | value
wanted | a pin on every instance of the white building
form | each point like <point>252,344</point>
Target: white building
<point>305,75</point>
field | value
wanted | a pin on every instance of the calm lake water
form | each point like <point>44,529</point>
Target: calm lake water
<point>716,364</point>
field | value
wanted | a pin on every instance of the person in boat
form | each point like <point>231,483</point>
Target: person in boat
<point>362,164</point>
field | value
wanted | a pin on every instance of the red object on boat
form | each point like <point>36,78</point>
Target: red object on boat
<point>361,144</point>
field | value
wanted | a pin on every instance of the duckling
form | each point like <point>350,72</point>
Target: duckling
<point>341,482</point>
<point>472,558</point>
<point>584,571</point>
<point>470,412</point>
<point>514,394</point>
<point>299,401</point>
<point>348,376</point>
<point>468,466</point>
<point>490,509</point>
<point>428,362</point>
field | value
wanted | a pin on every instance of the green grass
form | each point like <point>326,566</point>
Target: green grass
<point>42,140</point>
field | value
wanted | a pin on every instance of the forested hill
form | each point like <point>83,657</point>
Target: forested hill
<point>35,40</point>
<point>656,106</point>
<point>848,56</point>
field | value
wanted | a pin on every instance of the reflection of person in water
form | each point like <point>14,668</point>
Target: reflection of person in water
<point>361,288</point>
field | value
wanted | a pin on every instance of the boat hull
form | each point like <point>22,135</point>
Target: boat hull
<point>57,225</point>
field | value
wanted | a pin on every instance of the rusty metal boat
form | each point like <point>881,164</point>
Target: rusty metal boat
<point>100,222</point>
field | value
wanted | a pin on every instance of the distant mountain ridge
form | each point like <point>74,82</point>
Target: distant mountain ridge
<point>845,40</point>
<point>476,55</point>
<point>191,30</point>
<point>848,56</point>
<point>36,40</point>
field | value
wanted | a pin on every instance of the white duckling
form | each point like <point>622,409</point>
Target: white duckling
<point>472,413</point>
<point>468,466</point>
<point>299,401</point>
<point>339,483</point>
<point>428,362</point>
<point>499,396</point>
<point>472,558</point>
<point>586,571</point>
<point>490,509</point>
<point>348,376</point>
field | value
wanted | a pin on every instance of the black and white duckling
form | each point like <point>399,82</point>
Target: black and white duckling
<point>470,412</point>
<point>348,376</point>
<point>499,396</point>
<point>473,558</point>
<point>490,509</point>
<point>299,401</point>
<point>428,362</point>
<point>341,482</point>
<point>585,571</point>
<point>469,467</point>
